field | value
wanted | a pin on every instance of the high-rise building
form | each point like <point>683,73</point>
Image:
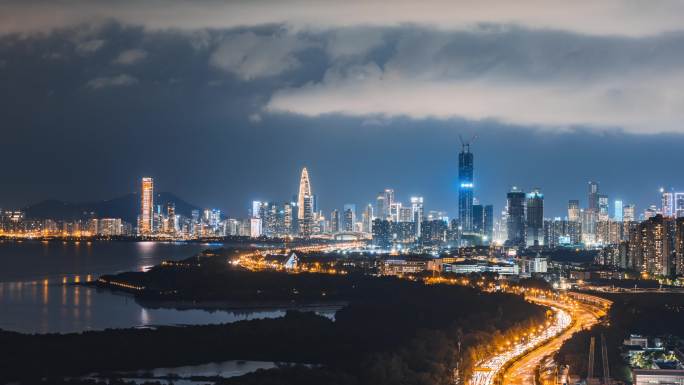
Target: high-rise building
<point>381,233</point>
<point>488,229</point>
<point>573,210</point>
<point>335,221</point>
<point>652,245</point>
<point>389,202</point>
<point>380,206</point>
<point>603,213</point>
<point>146,223</point>
<point>629,213</point>
<point>478,219</point>
<point>617,206</point>
<point>417,213</point>
<point>593,197</point>
<point>465,188</point>
<point>256,209</point>
<point>395,211</point>
<point>679,246</point>
<point>679,204</point>
<point>304,191</point>
<point>287,218</point>
<point>305,202</point>
<point>367,223</point>
<point>668,203</point>
<point>535,218</point>
<point>515,225</point>
<point>171,220</point>
<point>650,212</point>
<point>306,225</point>
<point>349,217</point>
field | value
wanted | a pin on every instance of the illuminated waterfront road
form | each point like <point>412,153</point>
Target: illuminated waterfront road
<point>526,357</point>
<point>522,371</point>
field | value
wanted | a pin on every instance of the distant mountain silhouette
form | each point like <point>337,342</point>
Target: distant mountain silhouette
<point>125,207</point>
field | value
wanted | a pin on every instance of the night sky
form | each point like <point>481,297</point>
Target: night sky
<point>225,102</point>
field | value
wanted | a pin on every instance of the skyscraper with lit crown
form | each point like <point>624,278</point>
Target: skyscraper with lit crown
<point>465,188</point>
<point>146,223</point>
<point>305,204</point>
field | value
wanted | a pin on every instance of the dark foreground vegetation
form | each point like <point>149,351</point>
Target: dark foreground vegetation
<point>392,331</point>
<point>650,314</point>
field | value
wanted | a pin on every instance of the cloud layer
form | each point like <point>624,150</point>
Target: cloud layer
<point>609,65</point>
<point>607,17</point>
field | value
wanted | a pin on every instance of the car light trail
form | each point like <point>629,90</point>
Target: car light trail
<point>488,369</point>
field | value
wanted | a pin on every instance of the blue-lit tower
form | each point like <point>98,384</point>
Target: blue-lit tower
<point>465,187</point>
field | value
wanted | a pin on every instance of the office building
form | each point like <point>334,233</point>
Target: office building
<point>679,204</point>
<point>465,188</point>
<point>629,213</point>
<point>535,218</point>
<point>146,222</point>
<point>603,213</point>
<point>618,215</point>
<point>679,246</point>
<point>417,213</point>
<point>667,203</point>
<point>367,219</point>
<point>573,210</point>
<point>488,229</point>
<point>348,217</point>
<point>335,221</point>
<point>515,225</point>
<point>405,214</point>
<point>305,205</point>
<point>381,233</point>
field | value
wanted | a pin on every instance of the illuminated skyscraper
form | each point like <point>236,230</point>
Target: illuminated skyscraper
<point>349,217</point>
<point>515,225</point>
<point>380,206</point>
<point>465,188</point>
<point>679,204</point>
<point>618,211</point>
<point>304,191</point>
<point>629,213</point>
<point>305,202</point>
<point>146,224</point>
<point>335,221</point>
<point>535,218</point>
<point>418,213</point>
<point>368,219</point>
<point>593,198</point>
<point>668,203</point>
<point>573,211</point>
<point>603,214</point>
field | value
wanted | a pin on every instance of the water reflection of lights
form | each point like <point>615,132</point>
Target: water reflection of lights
<point>144,316</point>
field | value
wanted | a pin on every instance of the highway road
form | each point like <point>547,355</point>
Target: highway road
<point>524,357</point>
<point>522,371</point>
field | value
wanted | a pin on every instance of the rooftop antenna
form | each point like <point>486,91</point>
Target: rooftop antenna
<point>466,144</point>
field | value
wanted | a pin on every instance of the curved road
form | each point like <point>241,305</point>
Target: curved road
<point>522,371</point>
<point>571,317</point>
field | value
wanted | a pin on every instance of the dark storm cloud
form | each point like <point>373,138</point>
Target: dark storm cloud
<point>225,115</point>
